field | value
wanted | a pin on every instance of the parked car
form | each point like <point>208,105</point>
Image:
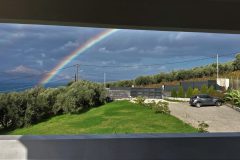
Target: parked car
<point>205,100</point>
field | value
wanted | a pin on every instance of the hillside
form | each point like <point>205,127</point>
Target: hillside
<point>230,75</point>
<point>115,117</point>
<point>229,70</point>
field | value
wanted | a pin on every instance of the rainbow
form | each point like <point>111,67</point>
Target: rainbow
<point>66,60</point>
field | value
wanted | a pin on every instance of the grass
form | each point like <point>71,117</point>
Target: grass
<point>115,117</point>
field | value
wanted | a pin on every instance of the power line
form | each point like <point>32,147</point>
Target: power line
<point>149,65</point>
<point>119,66</point>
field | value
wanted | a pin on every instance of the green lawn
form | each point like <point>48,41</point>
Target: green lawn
<point>115,117</point>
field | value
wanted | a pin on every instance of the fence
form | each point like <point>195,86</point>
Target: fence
<point>119,93</point>
<point>199,84</point>
<point>147,92</point>
<point>124,92</point>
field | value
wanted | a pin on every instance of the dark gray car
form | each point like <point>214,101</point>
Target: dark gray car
<point>204,100</point>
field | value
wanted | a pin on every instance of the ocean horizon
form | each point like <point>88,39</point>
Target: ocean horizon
<point>17,87</point>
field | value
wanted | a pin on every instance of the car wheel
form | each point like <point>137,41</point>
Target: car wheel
<point>218,103</point>
<point>198,105</point>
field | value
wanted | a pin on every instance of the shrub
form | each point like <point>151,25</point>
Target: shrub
<point>189,92</point>
<point>202,127</point>
<point>5,119</point>
<point>180,93</point>
<point>12,110</point>
<point>211,90</point>
<point>80,95</point>
<point>140,100</point>
<point>19,109</point>
<point>37,106</point>
<point>195,91</point>
<point>204,89</point>
<point>218,94</point>
<point>160,107</point>
<point>173,93</point>
<point>233,97</point>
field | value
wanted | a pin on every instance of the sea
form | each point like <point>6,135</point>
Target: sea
<point>17,87</point>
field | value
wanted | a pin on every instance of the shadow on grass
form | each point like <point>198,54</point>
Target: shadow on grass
<point>9,130</point>
<point>5,131</point>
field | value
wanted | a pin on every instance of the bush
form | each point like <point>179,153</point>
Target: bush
<point>140,100</point>
<point>204,89</point>
<point>202,127</point>
<point>37,106</point>
<point>233,97</point>
<point>5,118</point>
<point>189,92</point>
<point>31,106</point>
<point>79,96</point>
<point>211,90</point>
<point>12,110</point>
<point>195,91</point>
<point>180,93</point>
<point>160,107</point>
<point>173,93</point>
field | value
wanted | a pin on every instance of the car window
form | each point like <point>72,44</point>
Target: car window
<point>204,96</point>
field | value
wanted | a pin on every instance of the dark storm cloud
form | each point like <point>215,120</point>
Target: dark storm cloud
<point>41,47</point>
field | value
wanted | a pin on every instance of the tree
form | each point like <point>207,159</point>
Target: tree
<point>236,62</point>
<point>180,93</point>
<point>204,89</point>
<point>79,96</point>
<point>173,93</point>
<point>143,80</point>
<point>189,92</point>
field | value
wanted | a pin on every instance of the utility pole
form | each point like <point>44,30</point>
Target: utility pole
<point>104,79</point>
<point>217,67</point>
<point>77,74</point>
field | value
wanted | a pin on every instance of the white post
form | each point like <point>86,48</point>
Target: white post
<point>104,79</point>
<point>77,74</point>
<point>217,67</point>
<point>237,83</point>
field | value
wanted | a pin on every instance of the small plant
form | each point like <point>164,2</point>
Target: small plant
<point>211,90</point>
<point>157,107</point>
<point>204,89</point>
<point>195,91</point>
<point>140,100</point>
<point>233,97</point>
<point>150,104</point>
<point>161,107</point>
<point>180,93</point>
<point>173,93</point>
<point>189,92</point>
<point>202,127</point>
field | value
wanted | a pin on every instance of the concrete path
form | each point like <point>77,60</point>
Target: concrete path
<point>219,119</point>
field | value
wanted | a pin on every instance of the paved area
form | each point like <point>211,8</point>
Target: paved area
<point>219,119</point>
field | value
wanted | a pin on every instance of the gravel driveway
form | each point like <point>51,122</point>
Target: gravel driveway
<point>219,119</point>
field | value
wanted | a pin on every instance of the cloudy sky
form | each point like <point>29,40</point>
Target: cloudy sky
<point>30,50</point>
